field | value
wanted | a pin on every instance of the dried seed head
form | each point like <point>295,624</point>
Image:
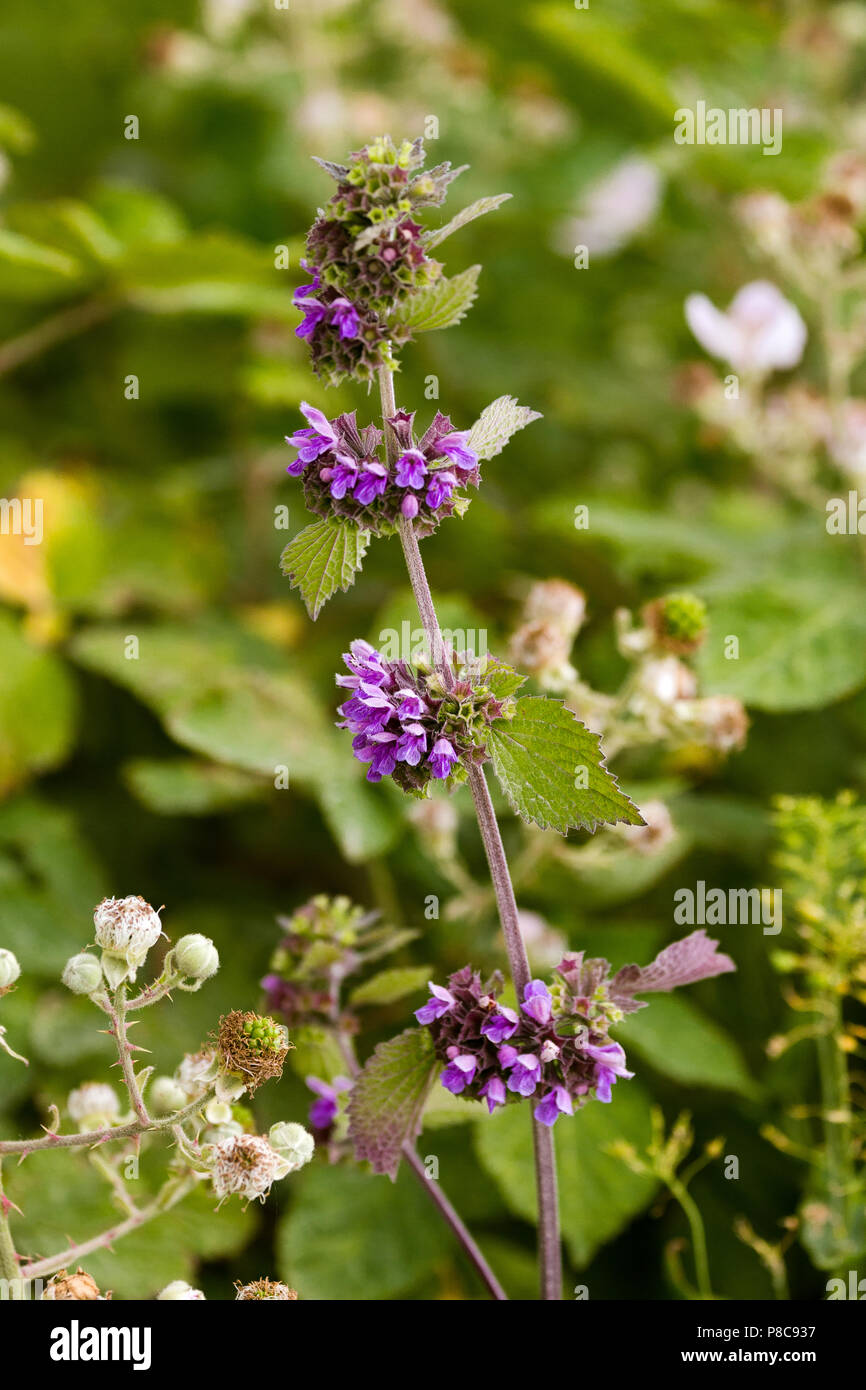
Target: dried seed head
<point>678,622</point>
<point>264,1288</point>
<point>77,1286</point>
<point>253,1048</point>
<point>246,1165</point>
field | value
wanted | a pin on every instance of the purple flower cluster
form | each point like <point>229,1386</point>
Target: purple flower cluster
<point>344,474</point>
<point>555,1047</point>
<point>395,720</point>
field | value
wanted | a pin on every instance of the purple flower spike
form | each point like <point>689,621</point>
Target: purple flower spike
<point>439,1003</point>
<point>345,316</point>
<point>459,1073</point>
<point>442,758</point>
<point>537,1001</point>
<point>610,1063</point>
<point>455,448</point>
<point>500,1026</point>
<point>411,469</point>
<point>493,1092</point>
<point>525,1074</point>
<point>557,1102</point>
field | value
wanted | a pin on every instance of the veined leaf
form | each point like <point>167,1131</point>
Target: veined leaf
<point>468,214</point>
<point>389,1096</point>
<point>551,769</point>
<point>440,306</point>
<point>390,985</point>
<point>497,423</point>
<point>324,557</point>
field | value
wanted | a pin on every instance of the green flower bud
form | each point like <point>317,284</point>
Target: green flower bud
<point>165,1095</point>
<point>196,957</point>
<point>9,970</point>
<point>82,974</point>
<point>292,1142</point>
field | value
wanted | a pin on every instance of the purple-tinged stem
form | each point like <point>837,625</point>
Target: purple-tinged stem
<point>549,1250</point>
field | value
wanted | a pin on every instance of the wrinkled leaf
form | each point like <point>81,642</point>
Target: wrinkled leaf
<point>497,423</point>
<point>468,214</point>
<point>441,305</point>
<point>388,1098</point>
<point>323,558</point>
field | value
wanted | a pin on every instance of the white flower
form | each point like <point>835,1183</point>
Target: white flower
<point>655,834</point>
<point>558,602</point>
<point>293,1142</point>
<point>245,1164</point>
<point>719,721</point>
<point>761,331</point>
<point>9,970</point>
<point>667,679</point>
<point>195,1073</point>
<point>614,209</point>
<point>847,439</point>
<point>179,1291</point>
<point>126,928</point>
<point>93,1104</point>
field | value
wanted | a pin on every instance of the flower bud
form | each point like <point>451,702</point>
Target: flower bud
<point>126,928</point>
<point>82,974</point>
<point>179,1291</point>
<point>293,1142</point>
<point>196,957</point>
<point>93,1105</point>
<point>9,970</point>
<point>165,1095</point>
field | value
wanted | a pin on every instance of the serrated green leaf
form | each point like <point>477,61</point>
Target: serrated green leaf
<point>324,557</point>
<point>497,423</point>
<point>389,1096</point>
<point>468,214</point>
<point>540,754</point>
<point>440,306</point>
<point>598,1195</point>
<point>390,985</point>
<point>503,680</point>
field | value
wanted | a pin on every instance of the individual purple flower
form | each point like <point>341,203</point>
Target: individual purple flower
<point>409,507</point>
<point>439,1003</point>
<point>345,316</point>
<point>442,758</point>
<point>371,483</point>
<point>440,489</point>
<point>314,312</point>
<point>507,1056</point>
<point>500,1026</point>
<point>537,1001</point>
<point>411,469</point>
<point>369,709</point>
<point>557,1102</point>
<point>340,479</point>
<point>525,1074</point>
<point>412,744</point>
<point>311,443</point>
<point>384,758</point>
<point>610,1063</point>
<point>323,1111</point>
<point>459,1073</point>
<point>411,706</point>
<point>493,1092</point>
<point>315,284</point>
<point>455,447</point>
<point>364,663</point>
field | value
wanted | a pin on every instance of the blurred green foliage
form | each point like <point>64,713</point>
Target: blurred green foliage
<point>156,672</point>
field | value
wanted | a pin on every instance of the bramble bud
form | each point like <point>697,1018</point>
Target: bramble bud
<point>82,974</point>
<point>93,1105</point>
<point>166,1095</point>
<point>81,1286</point>
<point>293,1142</point>
<point>9,970</point>
<point>126,928</point>
<point>179,1290</point>
<point>196,957</point>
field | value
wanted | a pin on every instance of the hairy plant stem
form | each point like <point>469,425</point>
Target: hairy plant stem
<point>549,1250</point>
<point>117,1014</point>
<point>8,1258</point>
<point>93,1137</point>
<point>434,1191</point>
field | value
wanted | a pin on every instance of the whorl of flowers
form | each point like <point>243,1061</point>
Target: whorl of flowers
<point>346,475</point>
<point>556,1047</point>
<point>364,252</point>
<point>251,1049</point>
<point>407,725</point>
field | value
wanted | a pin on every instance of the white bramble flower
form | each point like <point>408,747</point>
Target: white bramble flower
<point>82,974</point>
<point>760,332</point>
<point>719,721</point>
<point>294,1143</point>
<point>847,439</point>
<point>180,1291</point>
<point>93,1104</point>
<point>126,928</point>
<point>9,970</point>
<point>245,1165</point>
<point>667,680</point>
<point>557,602</point>
<point>195,1073</point>
<point>614,209</point>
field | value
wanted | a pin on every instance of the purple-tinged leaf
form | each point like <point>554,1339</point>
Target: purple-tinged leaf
<point>388,1099</point>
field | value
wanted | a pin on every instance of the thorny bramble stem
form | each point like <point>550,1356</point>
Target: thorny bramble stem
<point>117,1014</point>
<point>8,1258</point>
<point>550,1255</point>
<point>94,1137</point>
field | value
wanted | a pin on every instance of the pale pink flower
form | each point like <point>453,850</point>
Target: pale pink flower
<point>760,332</point>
